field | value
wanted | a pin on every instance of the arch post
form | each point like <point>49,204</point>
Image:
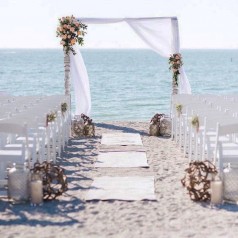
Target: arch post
<point>174,87</point>
<point>67,83</point>
<point>67,86</point>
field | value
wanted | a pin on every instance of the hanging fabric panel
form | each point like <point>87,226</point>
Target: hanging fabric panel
<point>80,81</point>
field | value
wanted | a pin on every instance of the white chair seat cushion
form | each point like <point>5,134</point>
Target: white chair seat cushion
<point>222,139</point>
<point>10,153</point>
<point>30,139</point>
<point>16,146</point>
<point>225,145</point>
<point>229,155</point>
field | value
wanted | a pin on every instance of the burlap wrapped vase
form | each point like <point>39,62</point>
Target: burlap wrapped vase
<point>154,129</point>
<point>89,130</point>
<point>165,126</point>
<point>77,128</point>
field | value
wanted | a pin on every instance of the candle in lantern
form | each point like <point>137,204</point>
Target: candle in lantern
<point>36,190</point>
<point>216,191</point>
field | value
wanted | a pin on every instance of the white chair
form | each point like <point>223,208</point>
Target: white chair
<point>7,157</point>
<point>223,154</point>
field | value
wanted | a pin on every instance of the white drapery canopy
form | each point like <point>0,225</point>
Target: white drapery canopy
<point>161,34</point>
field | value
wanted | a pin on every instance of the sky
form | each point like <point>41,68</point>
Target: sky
<point>202,23</point>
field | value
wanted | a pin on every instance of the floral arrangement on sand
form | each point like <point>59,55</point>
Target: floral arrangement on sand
<point>71,31</point>
<point>155,120</point>
<point>86,120</point>
<point>175,62</point>
<point>83,127</point>
<point>155,124</point>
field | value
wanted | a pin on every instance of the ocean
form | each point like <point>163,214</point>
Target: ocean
<point>125,84</point>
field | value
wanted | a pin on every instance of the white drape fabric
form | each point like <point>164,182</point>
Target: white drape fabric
<point>184,85</point>
<point>80,81</point>
<point>161,34</point>
<point>155,33</point>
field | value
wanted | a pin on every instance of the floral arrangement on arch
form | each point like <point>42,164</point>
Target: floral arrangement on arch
<point>71,31</point>
<point>175,62</point>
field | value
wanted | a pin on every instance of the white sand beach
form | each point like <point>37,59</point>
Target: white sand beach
<point>172,215</point>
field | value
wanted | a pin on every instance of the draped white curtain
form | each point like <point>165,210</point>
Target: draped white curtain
<point>161,34</point>
<point>80,81</point>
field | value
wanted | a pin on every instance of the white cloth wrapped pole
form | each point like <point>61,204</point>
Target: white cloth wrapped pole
<point>80,81</point>
<point>184,85</point>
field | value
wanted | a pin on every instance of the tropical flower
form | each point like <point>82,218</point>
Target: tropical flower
<point>175,61</point>
<point>71,31</point>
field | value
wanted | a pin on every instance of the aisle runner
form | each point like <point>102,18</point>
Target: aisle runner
<point>124,150</point>
<point>121,148</point>
<point>121,139</point>
<point>122,159</point>
<point>122,188</point>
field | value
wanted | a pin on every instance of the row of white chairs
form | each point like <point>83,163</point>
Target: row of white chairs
<point>215,138</point>
<point>25,135</point>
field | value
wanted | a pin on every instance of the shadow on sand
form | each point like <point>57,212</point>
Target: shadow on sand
<point>120,128</point>
<point>77,157</point>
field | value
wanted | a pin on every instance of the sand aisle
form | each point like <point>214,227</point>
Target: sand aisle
<point>173,215</point>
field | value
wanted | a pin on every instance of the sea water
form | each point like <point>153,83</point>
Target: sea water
<point>125,84</point>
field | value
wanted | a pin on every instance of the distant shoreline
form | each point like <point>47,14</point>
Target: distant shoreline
<point>183,49</point>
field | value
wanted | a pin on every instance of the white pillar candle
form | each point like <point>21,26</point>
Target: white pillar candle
<point>36,190</point>
<point>216,192</point>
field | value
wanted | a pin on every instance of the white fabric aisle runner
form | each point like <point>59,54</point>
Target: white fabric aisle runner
<point>122,188</point>
<point>121,139</point>
<point>120,148</point>
<point>122,160</point>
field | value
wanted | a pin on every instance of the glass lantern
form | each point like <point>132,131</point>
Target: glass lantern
<point>230,179</point>
<point>18,181</point>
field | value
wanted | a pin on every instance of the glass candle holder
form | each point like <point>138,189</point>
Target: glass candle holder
<point>216,191</point>
<point>18,181</point>
<point>230,177</point>
<point>36,189</point>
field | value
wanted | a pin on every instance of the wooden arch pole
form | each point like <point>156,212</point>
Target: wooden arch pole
<point>67,86</point>
<point>67,83</point>
<point>174,88</point>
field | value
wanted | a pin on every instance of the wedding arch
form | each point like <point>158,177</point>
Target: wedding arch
<point>161,34</point>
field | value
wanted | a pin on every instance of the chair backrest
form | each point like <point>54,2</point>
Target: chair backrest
<point>13,128</point>
<point>224,128</point>
<point>229,128</point>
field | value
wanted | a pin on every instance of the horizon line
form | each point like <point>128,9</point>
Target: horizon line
<point>109,48</point>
